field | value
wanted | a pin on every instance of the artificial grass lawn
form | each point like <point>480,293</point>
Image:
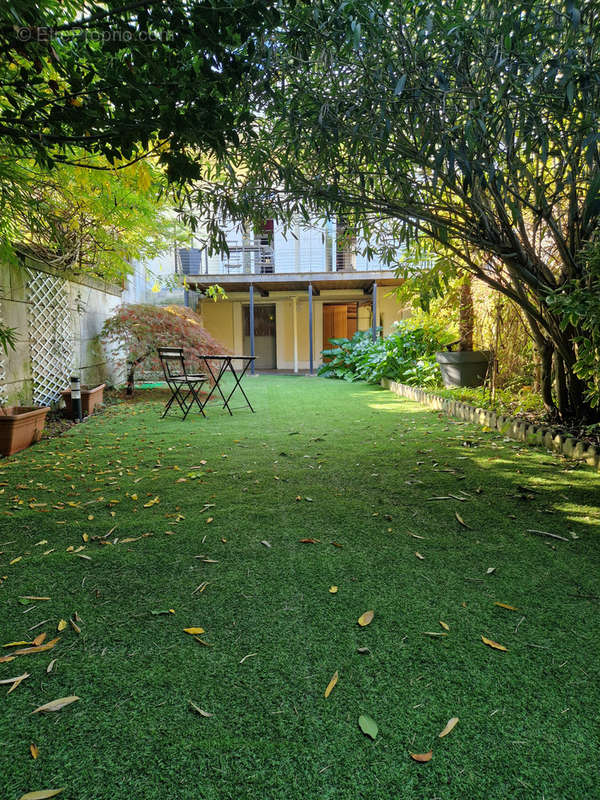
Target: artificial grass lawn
<point>327,460</point>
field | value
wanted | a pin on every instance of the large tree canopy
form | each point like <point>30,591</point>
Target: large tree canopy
<point>119,79</point>
<point>470,125</point>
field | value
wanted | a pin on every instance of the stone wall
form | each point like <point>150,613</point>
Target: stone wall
<point>85,303</point>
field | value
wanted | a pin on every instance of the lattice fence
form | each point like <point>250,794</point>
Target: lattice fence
<point>50,336</point>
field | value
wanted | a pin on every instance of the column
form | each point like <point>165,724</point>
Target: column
<point>374,311</point>
<point>252,327</point>
<point>310,326</point>
<point>295,318</point>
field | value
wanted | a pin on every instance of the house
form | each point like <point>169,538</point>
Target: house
<point>289,292</point>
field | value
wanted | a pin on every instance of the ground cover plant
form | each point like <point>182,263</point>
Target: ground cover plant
<point>277,533</point>
<point>407,354</point>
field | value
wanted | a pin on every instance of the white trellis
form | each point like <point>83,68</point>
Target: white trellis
<point>50,336</point>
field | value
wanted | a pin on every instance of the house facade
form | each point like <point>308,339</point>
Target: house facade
<point>289,292</point>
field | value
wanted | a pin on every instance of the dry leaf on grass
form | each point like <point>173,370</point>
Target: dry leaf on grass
<point>331,684</point>
<point>194,631</point>
<point>333,589</point>
<point>34,750</point>
<point>365,618</point>
<point>445,625</point>
<point>39,649</point>
<point>43,794</point>
<point>309,541</point>
<point>462,522</point>
<point>495,645</point>
<point>200,710</point>
<point>505,605</point>
<point>449,727</point>
<point>422,758</point>
<point>419,556</point>
<point>18,681</point>
<point>12,680</point>
<point>50,666</point>
<point>39,639</point>
<point>56,705</point>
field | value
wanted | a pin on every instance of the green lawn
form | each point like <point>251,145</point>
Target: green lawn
<point>337,462</point>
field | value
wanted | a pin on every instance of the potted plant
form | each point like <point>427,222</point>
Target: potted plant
<point>20,426</point>
<point>91,397</point>
<point>465,366</point>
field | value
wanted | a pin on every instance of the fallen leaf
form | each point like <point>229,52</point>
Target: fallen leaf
<point>445,625</point>
<point>200,710</point>
<point>337,544</point>
<point>34,750</point>
<point>4,659</point>
<point>56,705</point>
<point>434,633</point>
<point>365,618</point>
<point>422,758</point>
<point>75,626</point>
<point>15,560</point>
<point>194,631</point>
<point>61,625</point>
<point>495,645</point>
<point>505,605</point>
<point>309,541</point>
<point>490,570</point>
<point>419,556</point>
<point>14,644</point>
<point>39,649</point>
<point>362,650</point>
<point>201,641</point>
<point>462,522</point>
<point>449,727</point>
<point>331,684</point>
<point>50,666</point>
<point>333,589</point>
<point>266,544</point>
<point>12,680</point>
<point>39,638</point>
<point>43,794</point>
<point>368,726</point>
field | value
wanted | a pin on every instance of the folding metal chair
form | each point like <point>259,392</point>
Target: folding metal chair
<point>184,388</point>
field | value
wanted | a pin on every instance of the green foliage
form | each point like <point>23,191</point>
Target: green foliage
<point>120,79</point>
<point>578,305</point>
<point>86,220</point>
<point>8,338</point>
<point>406,355</point>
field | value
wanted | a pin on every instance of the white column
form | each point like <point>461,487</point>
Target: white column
<point>295,318</point>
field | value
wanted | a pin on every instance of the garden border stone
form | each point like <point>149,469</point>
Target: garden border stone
<point>512,427</point>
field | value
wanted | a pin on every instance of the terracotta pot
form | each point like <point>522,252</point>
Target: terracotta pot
<point>20,426</point>
<point>90,398</point>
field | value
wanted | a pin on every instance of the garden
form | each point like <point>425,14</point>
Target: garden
<point>344,594</point>
<point>417,569</point>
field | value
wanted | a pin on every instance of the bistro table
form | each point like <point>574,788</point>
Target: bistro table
<point>227,363</point>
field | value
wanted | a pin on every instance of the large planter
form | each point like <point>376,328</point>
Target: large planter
<point>20,426</point>
<point>90,398</point>
<point>463,368</point>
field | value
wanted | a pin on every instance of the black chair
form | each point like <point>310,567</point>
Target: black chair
<point>184,387</point>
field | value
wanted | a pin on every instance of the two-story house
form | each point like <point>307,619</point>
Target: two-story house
<point>289,292</point>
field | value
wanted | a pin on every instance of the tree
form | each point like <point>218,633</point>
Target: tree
<point>468,127</point>
<point>86,221</point>
<point>134,332</point>
<point>121,79</point>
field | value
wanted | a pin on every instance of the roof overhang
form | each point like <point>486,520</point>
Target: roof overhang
<point>294,281</point>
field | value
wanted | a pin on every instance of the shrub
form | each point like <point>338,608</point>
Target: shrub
<point>406,355</point>
<point>136,330</point>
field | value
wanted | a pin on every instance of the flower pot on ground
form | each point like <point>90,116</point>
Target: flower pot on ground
<point>463,368</point>
<point>91,397</point>
<point>20,426</point>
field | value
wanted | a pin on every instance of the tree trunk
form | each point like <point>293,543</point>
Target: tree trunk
<point>466,321</point>
<point>130,379</point>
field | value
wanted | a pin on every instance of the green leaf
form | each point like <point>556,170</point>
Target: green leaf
<point>368,726</point>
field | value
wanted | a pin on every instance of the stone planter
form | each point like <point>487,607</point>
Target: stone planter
<point>463,368</point>
<point>20,426</point>
<point>90,398</point>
